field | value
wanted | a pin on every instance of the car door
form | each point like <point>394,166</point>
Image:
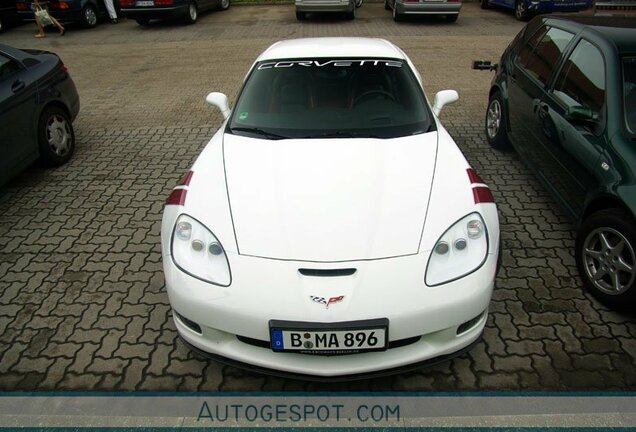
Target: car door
<point>573,117</point>
<point>531,72</point>
<point>17,107</point>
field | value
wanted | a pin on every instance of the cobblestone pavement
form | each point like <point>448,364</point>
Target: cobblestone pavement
<point>82,300</point>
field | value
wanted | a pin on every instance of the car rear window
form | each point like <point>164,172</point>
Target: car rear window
<point>325,97</point>
<point>629,90</point>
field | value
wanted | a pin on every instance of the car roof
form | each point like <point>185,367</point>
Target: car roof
<point>621,31</point>
<point>336,47</point>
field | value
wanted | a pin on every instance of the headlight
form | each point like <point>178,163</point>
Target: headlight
<point>196,251</point>
<point>461,250</point>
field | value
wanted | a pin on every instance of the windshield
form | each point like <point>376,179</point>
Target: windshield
<point>317,98</point>
<point>629,88</point>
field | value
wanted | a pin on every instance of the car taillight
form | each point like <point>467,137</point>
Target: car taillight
<point>58,5</point>
<point>126,3</point>
<point>164,2</point>
<point>21,6</point>
<point>64,68</point>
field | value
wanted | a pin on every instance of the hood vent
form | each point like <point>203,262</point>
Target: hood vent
<point>327,273</point>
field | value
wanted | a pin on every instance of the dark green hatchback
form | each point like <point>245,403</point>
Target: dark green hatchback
<point>564,96</point>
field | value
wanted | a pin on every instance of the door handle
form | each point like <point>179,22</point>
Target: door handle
<point>543,110</point>
<point>17,86</point>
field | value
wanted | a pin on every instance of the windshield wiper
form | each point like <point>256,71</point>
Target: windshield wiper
<point>342,134</point>
<point>258,131</point>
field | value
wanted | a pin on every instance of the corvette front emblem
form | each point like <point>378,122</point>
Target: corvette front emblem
<point>325,301</point>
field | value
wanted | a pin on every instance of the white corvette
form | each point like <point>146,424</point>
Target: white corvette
<point>331,227</point>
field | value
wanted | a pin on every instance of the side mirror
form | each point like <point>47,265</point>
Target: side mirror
<point>442,98</point>
<point>220,101</point>
<point>484,65</point>
<point>580,115</point>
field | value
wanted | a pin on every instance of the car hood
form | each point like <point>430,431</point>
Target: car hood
<point>329,200</point>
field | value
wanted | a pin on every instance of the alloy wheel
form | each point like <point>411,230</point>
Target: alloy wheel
<point>58,135</point>
<point>90,16</point>
<point>493,119</point>
<point>610,262</point>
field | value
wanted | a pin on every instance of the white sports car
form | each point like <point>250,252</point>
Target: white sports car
<point>331,228</point>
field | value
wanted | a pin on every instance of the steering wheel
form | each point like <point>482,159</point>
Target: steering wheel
<point>366,94</point>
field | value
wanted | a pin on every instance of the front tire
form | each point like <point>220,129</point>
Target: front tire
<point>396,16</point>
<point>89,16</point>
<point>193,13</point>
<point>521,11</point>
<point>352,13</point>
<point>224,4</point>
<point>56,137</point>
<point>496,121</point>
<point>606,257</point>
<point>359,3</point>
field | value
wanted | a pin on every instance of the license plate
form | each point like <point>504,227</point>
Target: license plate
<point>145,3</point>
<point>329,338</point>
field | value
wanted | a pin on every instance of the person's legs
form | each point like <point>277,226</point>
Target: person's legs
<point>40,33</point>
<point>111,10</point>
<point>59,26</point>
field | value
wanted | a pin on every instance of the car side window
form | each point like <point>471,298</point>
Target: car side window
<point>8,67</point>
<point>541,61</point>
<point>581,81</point>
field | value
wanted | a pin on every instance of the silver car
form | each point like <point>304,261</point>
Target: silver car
<point>307,6</point>
<point>448,8</point>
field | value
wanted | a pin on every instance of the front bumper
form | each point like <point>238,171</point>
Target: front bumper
<point>428,8</point>
<point>264,289</point>
<point>324,6</point>
<point>155,12</point>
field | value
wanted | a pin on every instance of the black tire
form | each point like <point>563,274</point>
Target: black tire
<point>608,269</point>
<point>144,22</point>
<point>56,137</point>
<point>396,16</point>
<point>89,16</point>
<point>521,11</point>
<point>300,16</point>
<point>484,4</point>
<point>359,3</point>
<point>387,6</point>
<point>495,123</point>
<point>352,13</point>
<point>452,18</point>
<point>224,5</point>
<point>192,14</point>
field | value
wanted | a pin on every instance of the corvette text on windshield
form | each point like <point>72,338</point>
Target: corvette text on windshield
<point>323,63</point>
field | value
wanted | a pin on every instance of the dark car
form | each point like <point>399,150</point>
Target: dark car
<point>8,14</point>
<point>525,9</point>
<point>143,11</point>
<point>86,12</point>
<point>564,96</point>
<point>38,103</point>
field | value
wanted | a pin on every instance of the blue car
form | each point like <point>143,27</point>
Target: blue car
<point>526,9</point>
